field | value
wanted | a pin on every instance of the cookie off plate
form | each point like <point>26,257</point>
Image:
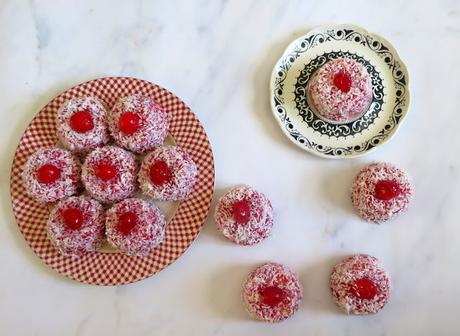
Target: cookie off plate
<point>298,117</point>
<point>185,218</point>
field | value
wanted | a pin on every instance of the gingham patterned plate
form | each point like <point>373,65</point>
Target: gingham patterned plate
<point>102,268</point>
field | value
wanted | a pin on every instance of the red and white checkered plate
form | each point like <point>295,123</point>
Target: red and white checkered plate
<point>102,268</point>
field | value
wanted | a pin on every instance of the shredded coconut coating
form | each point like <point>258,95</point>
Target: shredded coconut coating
<point>261,216</point>
<point>154,123</point>
<point>333,104</point>
<point>86,239</point>
<point>358,267</point>
<point>272,274</point>
<point>362,194</point>
<point>145,236</point>
<point>66,185</point>
<point>122,185</point>
<point>183,169</point>
<point>82,142</point>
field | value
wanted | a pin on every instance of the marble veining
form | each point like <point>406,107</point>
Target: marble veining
<point>218,56</point>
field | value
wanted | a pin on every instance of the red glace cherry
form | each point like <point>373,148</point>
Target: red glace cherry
<point>363,289</point>
<point>241,211</point>
<point>386,190</point>
<point>128,123</point>
<point>342,81</point>
<point>160,173</point>
<point>81,121</point>
<point>48,173</point>
<point>272,296</point>
<point>126,223</point>
<point>105,171</point>
<point>73,218</point>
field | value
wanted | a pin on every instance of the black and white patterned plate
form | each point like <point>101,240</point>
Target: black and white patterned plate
<point>306,129</point>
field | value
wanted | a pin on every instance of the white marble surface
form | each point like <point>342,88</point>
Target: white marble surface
<point>217,56</point>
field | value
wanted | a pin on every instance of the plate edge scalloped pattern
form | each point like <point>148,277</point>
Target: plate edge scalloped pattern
<point>320,29</point>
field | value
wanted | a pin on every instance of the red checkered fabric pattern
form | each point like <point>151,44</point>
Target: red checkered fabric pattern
<point>116,268</point>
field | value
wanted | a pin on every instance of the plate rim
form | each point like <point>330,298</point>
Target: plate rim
<point>206,206</point>
<point>322,28</point>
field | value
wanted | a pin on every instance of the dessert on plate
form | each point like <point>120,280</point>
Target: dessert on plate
<point>360,285</point>
<point>168,174</point>
<point>138,123</point>
<point>135,226</point>
<point>244,215</point>
<point>272,293</point>
<point>76,225</point>
<point>340,90</point>
<point>81,124</point>
<point>109,173</point>
<point>380,192</point>
<point>51,174</point>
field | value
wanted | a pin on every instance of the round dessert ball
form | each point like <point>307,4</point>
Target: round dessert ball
<point>244,215</point>
<point>167,174</point>
<point>340,90</point>
<point>138,123</point>
<point>135,226</point>
<point>51,174</point>
<point>360,285</point>
<point>81,124</point>
<point>109,174</point>
<point>76,225</point>
<point>381,191</point>
<point>272,293</point>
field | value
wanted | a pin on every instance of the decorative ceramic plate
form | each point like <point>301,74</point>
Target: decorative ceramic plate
<point>310,132</point>
<point>106,267</point>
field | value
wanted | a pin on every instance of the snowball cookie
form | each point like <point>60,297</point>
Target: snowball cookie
<point>272,293</point>
<point>135,226</point>
<point>51,174</point>
<point>340,90</point>
<point>109,174</point>
<point>138,123</point>
<point>360,285</point>
<point>81,124</point>
<point>167,174</point>
<point>380,192</point>
<point>244,215</point>
<point>76,225</point>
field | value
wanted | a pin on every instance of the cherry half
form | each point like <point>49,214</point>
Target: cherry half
<point>160,173</point>
<point>73,218</point>
<point>342,81</point>
<point>386,190</point>
<point>81,121</point>
<point>48,173</point>
<point>126,223</point>
<point>105,171</point>
<point>128,123</point>
<point>241,211</point>
<point>364,289</point>
<point>272,296</point>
